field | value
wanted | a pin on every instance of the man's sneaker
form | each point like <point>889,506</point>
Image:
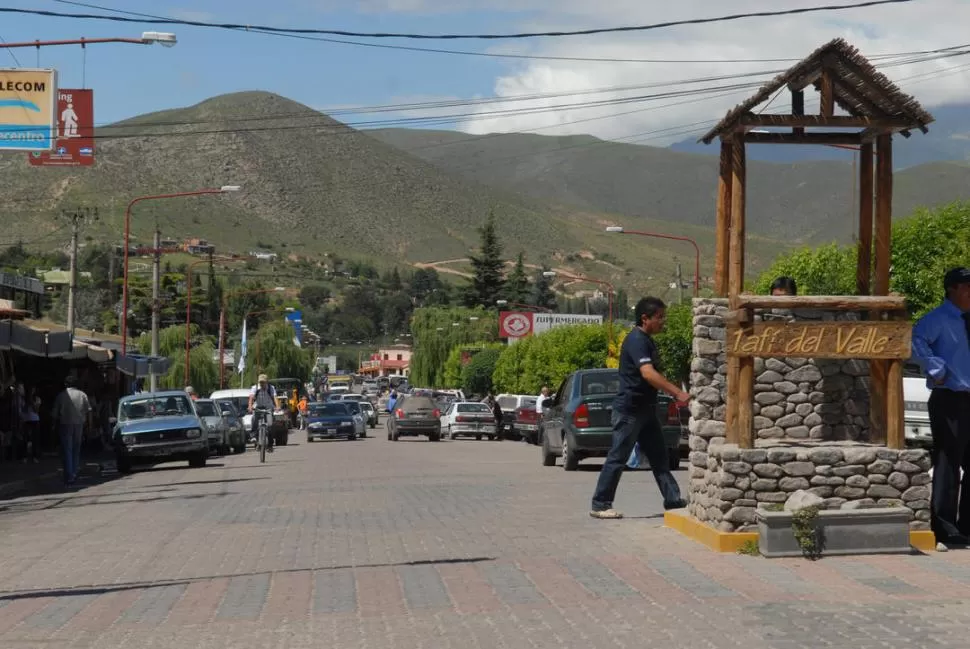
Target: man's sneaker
<point>676,504</point>
<point>606,514</point>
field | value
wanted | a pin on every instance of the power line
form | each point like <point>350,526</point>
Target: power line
<point>498,55</point>
<point>12,54</point>
<point>415,36</point>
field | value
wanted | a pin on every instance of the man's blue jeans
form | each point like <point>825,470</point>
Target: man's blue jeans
<point>628,429</point>
<point>71,436</point>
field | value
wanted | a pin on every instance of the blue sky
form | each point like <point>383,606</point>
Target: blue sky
<point>130,80</point>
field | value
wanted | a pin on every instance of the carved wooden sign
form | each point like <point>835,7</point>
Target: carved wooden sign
<point>864,340</point>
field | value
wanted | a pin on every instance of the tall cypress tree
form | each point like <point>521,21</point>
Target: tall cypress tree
<point>542,293</point>
<point>488,267</point>
<point>517,283</point>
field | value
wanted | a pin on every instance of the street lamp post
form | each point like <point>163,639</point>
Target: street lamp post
<point>697,251</point>
<point>165,39</point>
<point>519,305</point>
<point>601,282</point>
<point>188,307</point>
<point>124,287</point>
<point>222,323</point>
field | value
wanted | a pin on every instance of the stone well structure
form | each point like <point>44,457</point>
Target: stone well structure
<point>812,430</point>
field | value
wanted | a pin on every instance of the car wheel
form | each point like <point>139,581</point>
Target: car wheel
<point>123,465</point>
<point>570,462</point>
<point>434,437</point>
<point>548,458</point>
<point>353,437</point>
<point>309,439</point>
<point>198,461</point>
<point>674,459</point>
<point>478,438</point>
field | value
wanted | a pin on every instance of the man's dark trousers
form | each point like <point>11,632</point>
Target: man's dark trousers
<point>950,424</point>
<point>628,429</point>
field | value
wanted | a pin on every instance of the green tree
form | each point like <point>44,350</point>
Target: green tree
<point>509,371</point>
<point>517,283</point>
<point>314,296</point>
<point>272,351</point>
<point>203,368</point>
<point>825,270</point>
<point>476,376</point>
<point>525,366</point>
<point>436,331</point>
<point>542,293</point>
<point>488,269</point>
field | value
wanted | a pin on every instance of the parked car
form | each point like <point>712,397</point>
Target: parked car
<point>329,420</point>
<point>509,403</point>
<point>234,419</point>
<point>468,419</point>
<point>158,427</point>
<point>525,423</point>
<point>240,399</point>
<point>370,413</point>
<point>916,407</point>
<point>576,422</point>
<point>216,428</point>
<point>415,416</point>
<point>370,387</point>
<point>360,421</point>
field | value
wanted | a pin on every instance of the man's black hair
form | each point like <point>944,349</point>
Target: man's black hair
<point>786,284</point>
<point>648,307</point>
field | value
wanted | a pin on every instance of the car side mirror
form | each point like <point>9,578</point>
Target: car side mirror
<point>112,420</point>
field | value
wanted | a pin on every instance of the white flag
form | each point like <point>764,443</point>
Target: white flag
<point>242,350</point>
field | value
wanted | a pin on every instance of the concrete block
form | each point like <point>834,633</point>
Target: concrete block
<point>842,532</point>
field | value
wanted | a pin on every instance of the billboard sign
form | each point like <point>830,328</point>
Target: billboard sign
<point>295,318</point>
<point>28,103</point>
<point>518,324</point>
<point>74,146</point>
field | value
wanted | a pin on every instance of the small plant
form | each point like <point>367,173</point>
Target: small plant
<point>750,549</point>
<point>804,526</point>
<point>774,507</point>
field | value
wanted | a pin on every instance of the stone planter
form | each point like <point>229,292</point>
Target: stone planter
<point>883,530</point>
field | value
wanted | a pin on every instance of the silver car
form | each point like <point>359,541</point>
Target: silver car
<point>215,426</point>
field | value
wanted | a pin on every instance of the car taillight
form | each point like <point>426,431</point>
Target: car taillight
<point>460,419</point>
<point>399,413</point>
<point>673,414</point>
<point>581,416</point>
<point>436,413</point>
<point>489,420</point>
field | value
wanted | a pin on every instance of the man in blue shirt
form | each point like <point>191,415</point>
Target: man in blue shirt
<point>635,412</point>
<point>941,345</point>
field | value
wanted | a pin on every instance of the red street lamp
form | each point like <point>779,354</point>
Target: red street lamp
<point>519,305</point>
<point>222,324</point>
<point>188,307</point>
<point>552,273</point>
<point>124,287</point>
<point>697,251</point>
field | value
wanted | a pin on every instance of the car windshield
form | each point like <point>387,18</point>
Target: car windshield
<point>418,404</point>
<point>600,383</point>
<point>528,402</point>
<point>206,409</point>
<point>352,397</point>
<point>366,405</point>
<point>507,403</point>
<point>352,406</point>
<point>155,406</point>
<point>473,407</point>
<point>226,406</point>
<point>327,410</point>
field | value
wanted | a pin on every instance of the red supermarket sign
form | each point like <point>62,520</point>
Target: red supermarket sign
<point>514,324</point>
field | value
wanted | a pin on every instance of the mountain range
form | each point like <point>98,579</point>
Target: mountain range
<point>312,185</point>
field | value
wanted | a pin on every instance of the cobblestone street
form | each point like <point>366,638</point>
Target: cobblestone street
<point>413,544</point>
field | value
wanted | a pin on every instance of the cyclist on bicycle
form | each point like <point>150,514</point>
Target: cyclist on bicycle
<point>263,395</point>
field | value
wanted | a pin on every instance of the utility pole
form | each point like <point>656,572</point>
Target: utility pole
<point>680,284</point>
<point>156,311</point>
<point>76,217</point>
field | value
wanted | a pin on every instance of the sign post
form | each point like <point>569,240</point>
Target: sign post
<point>28,99</point>
<point>74,146</point>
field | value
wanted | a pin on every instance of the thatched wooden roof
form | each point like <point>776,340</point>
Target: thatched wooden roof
<point>858,87</point>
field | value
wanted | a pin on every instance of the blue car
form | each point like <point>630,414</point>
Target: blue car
<point>159,427</point>
<point>330,420</point>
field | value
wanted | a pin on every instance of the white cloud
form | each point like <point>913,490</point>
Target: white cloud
<point>878,30</point>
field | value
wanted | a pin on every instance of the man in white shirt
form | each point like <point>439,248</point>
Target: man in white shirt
<point>263,395</point>
<point>72,410</point>
<point>543,395</point>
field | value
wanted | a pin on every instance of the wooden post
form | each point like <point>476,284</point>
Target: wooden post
<point>740,397</point>
<point>798,108</point>
<point>826,95</point>
<point>895,425</point>
<point>722,239</point>
<point>879,371</point>
<point>864,266</point>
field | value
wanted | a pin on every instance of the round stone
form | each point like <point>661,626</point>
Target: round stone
<point>857,481</point>
<point>899,480</point>
<point>768,470</point>
<point>793,484</point>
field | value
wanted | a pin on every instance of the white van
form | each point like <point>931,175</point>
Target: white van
<point>916,398</point>
<point>239,398</point>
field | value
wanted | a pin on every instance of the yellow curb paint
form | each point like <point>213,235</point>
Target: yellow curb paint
<point>922,540</point>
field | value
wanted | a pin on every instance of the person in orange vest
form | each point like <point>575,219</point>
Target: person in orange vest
<point>303,406</point>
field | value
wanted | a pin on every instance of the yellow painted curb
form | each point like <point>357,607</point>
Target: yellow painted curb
<point>706,535</point>
<point>922,540</point>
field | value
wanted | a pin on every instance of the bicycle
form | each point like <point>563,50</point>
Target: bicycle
<point>263,434</point>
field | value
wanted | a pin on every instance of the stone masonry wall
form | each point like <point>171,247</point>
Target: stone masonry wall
<point>811,423</point>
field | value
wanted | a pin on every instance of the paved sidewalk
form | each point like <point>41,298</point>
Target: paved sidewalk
<point>412,544</point>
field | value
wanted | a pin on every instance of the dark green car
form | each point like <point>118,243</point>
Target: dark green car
<point>576,422</point>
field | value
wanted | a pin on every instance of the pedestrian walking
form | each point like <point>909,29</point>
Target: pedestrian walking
<point>941,346</point>
<point>635,412</point>
<point>72,409</point>
<point>30,424</point>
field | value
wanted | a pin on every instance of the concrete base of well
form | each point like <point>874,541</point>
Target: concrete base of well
<point>883,530</point>
<point>682,522</point>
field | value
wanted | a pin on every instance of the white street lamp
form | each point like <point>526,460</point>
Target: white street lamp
<point>549,273</point>
<point>230,188</point>
<point>165,39</point>
<point>615,228</point>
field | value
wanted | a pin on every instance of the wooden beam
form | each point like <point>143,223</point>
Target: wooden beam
<point>884,212</point>
<point>799,83</point>
<point>805,138</point>
<point>857,97</point>
<point>878,381</point>
<point>798,108</point>
<point>861,74</point>
<point>827,92</point>
<point>825,302</point>
<point>722,232</point>
<point>738,186</point>
<point>745,401</point>
<point>833,121</point>
<point>864,263</point>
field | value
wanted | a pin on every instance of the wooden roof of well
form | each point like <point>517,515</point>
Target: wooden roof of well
<point>858,88</point>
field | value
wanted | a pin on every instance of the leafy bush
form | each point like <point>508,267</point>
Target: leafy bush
<point>476,377</point>
<point>524,367</point>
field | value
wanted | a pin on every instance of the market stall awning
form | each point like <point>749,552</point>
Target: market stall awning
<point>139,367</point>
<point>33,341</point>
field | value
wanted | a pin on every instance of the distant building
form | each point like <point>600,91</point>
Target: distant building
<point>198,247</point>
<point>388,361</point>
<point>263,255</point>
<point>56,280</point>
